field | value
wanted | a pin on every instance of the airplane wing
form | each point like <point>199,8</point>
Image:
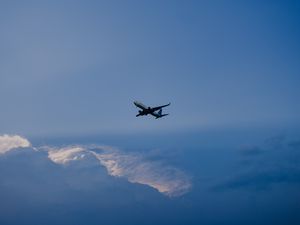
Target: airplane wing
<point>159,107</point>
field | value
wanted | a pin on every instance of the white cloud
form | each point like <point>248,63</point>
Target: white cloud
<point>9,142</point>
<point>132,166</point>
<point>65,155</point>
<point>166,179</point>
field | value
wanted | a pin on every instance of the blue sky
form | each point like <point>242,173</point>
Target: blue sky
<point>72,150</point>
<point>82,64</point>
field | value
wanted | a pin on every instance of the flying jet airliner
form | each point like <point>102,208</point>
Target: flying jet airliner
<point>148,110</point>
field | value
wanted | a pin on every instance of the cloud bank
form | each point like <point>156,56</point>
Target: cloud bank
<point>274,162</point>
<point>134,167</point>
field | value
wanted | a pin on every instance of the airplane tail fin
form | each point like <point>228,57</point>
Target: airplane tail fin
<point>160,114</point>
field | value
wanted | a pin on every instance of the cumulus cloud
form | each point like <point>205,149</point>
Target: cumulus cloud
<point>166,179</point>
<point>65,155</point>
<point>9,142</point>
<point>134,167</point>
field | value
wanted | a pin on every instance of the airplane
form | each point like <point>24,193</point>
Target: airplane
<point>148,110</point>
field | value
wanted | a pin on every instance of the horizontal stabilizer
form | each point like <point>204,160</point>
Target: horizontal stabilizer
<point>161,116</point>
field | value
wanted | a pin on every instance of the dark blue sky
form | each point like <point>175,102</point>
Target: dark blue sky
<point>72,150</point>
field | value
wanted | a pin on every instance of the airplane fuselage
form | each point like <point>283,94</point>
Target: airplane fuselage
<point>145,110</point>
